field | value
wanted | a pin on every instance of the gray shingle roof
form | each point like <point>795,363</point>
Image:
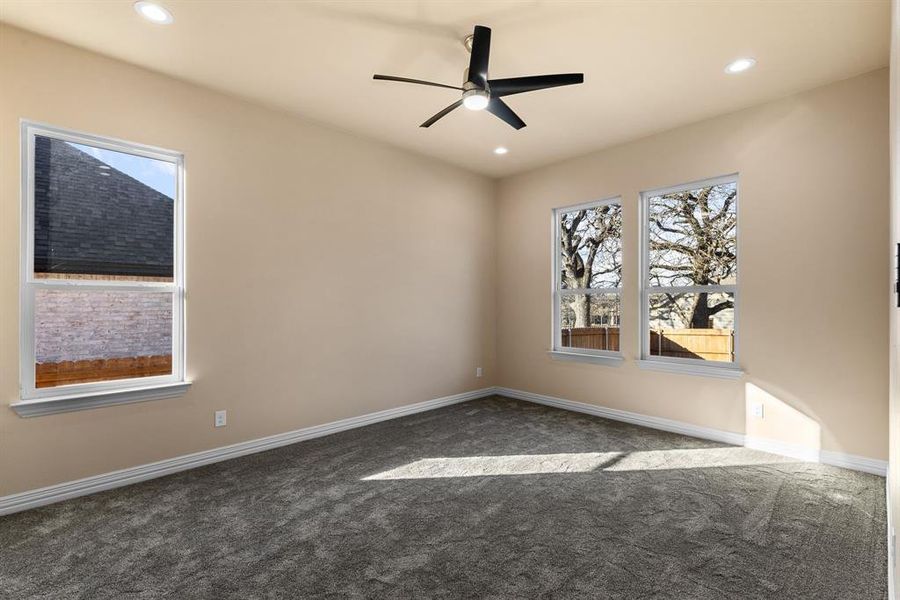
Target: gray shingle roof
<point>90,218</point>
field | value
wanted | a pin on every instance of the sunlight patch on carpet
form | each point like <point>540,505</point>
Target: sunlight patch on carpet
<point>577,462</point>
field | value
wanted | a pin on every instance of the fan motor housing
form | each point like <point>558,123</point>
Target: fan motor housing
<point>468,85</point>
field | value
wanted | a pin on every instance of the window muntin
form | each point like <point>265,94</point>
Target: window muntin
<point>689,294</point>
<point>102,290</point>
<point>588,278</point>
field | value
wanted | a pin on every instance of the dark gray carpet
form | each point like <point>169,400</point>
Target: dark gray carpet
<point>542,504</point>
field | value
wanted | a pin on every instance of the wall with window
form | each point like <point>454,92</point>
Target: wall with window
<point>810,320</point>
<point>327,276</point>
<point>319,288</point>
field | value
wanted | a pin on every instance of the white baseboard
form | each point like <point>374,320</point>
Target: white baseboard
<point>853,462</point>
<point>717,435</point>
<point>797,451</point>
<point>98,483</point>
<point>827,457</point>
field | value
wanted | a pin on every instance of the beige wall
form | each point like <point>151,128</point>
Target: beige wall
<point>331,276</point>
<point>813,221</point>
<point>328,276</point>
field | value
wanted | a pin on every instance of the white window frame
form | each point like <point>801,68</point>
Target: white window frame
<point>35,401</point>
<point>557,350</point>
<point>730,370</point>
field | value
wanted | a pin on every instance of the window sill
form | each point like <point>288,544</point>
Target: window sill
<point>610,360</point>
<point>60,404</point>
<point>699,370</point>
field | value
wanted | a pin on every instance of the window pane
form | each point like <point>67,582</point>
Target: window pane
<point>93,335</point>
<point>101,214</point>
<point>590,321</point>
<point>692,237</point>
<point>699,326</point>
<point>591,247</point>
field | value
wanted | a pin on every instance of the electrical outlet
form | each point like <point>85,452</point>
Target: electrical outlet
<point>221,418</point>
<point>758,410</point>
<point>478,372</point>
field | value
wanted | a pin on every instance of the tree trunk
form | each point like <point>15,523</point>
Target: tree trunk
<point>581,304</point>
<point>701,314</point>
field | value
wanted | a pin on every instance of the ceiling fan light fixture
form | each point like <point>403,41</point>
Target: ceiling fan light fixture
<point>475,99</point>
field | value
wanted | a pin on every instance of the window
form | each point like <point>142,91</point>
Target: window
<point>587,274</point>
<point>689,294</point>
<point>102,276</point>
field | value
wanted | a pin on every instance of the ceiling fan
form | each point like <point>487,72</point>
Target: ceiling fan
<point>479,92</point>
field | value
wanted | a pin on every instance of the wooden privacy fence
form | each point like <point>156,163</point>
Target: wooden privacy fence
<point>593,338</point>
<point>84,371</point>
<point>708,344</point>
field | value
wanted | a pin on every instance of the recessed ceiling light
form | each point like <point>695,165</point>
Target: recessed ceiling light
<point>153,12</point>
<point>500,150</point>
<point>740,65</point>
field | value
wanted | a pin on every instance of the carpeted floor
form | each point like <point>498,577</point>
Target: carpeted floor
<point>493,498</point>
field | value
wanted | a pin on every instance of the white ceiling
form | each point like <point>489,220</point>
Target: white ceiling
<point>649,65</point>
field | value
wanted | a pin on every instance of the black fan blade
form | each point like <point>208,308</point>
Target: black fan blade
<point>419,81</point>
<point>517,85</point>
<point>499,108</point>
<point>442,114</point>
<point>481,53</point>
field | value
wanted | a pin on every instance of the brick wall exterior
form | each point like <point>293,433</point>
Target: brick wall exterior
<point>81,325</point>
